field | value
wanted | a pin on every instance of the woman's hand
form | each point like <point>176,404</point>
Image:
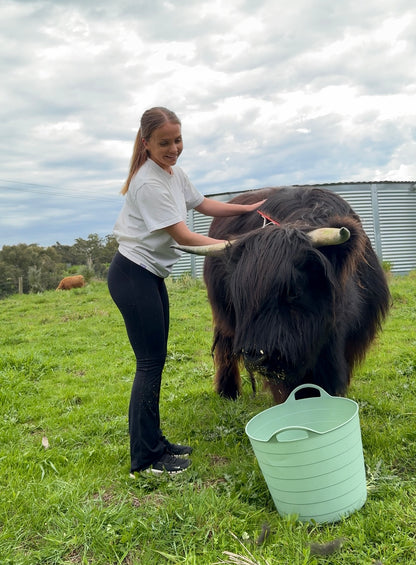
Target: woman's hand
<point>252,207</point>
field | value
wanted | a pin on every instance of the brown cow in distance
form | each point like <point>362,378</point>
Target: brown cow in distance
<point>76,281</point>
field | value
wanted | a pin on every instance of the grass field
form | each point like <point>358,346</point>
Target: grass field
<point>66,370</point>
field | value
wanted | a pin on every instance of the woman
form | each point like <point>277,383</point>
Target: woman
<point>158,195</point>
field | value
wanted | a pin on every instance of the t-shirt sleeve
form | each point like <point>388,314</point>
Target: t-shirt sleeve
<point>193,198</point>
<point>157,207</point>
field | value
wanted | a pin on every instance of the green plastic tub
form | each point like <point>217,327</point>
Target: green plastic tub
<point>310,453</point>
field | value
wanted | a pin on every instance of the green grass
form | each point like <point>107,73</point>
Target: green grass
<point>66,370</point>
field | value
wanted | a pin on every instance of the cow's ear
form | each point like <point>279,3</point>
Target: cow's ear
<point>345,257</point>
<point>233,255</point>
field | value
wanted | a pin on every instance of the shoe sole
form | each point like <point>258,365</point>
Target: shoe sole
<point>159,472</point>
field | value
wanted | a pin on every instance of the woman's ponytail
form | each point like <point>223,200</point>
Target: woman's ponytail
<point>137,160</point>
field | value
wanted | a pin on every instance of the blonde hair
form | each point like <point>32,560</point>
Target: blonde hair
<point>152,119</point>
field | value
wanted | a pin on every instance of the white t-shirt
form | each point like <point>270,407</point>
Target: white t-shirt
<point>155,200</point>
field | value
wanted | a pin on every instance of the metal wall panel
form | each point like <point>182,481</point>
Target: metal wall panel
<point>193,264</point>
<point>397,211</point>
<point>388,213</point>
<point>360,202</point>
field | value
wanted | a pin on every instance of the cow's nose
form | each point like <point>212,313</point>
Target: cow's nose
<point>254,356</point>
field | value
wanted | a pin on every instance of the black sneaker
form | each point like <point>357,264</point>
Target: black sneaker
<point>169,464</point>
<point>177,449</point>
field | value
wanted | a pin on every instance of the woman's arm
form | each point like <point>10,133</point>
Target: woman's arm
<point>210,207</point>
<point>184,236</point>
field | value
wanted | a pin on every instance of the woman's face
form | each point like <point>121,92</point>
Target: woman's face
<point>165,145</point>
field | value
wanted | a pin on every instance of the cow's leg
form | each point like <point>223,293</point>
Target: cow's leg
<point>227,377</point>
<point>279,390</point>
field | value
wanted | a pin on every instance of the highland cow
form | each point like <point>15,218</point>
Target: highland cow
<point>298,294</point>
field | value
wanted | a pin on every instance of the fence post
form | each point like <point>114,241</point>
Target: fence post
<point>20,285</point>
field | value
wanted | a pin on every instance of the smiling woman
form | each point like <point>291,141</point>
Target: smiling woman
<point>153,219</point>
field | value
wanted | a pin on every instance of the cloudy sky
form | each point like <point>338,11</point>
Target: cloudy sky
<point>269,92</point>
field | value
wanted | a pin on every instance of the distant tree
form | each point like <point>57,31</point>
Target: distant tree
<point>42,268</point>
<point>9,280</point>
<point>51,270</point>
<point>88,250</point>
<point>35,279</point>
<point>65,253</point>
<point>96,253</point>
<point>21,255</point>
<point>20,258</point>
<point>109,249</point>
<point>39,267</point>
<point>106,255</point>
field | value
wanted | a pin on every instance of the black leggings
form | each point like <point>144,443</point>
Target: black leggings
<point>143,301</point>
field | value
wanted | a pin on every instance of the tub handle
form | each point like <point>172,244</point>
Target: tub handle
<point>294,433</point>
<point>292,395</point>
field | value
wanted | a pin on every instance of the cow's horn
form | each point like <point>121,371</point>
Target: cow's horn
<point>328,236</point>
<point>212,250</point>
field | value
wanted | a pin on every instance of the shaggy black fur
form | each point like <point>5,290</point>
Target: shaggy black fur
<point>293,313</point>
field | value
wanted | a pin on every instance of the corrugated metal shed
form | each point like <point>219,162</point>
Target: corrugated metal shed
<point>387,211</point>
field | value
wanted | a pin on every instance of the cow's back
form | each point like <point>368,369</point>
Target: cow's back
<point>75,281</point>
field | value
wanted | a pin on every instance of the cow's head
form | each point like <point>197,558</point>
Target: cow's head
<point>283,290</point>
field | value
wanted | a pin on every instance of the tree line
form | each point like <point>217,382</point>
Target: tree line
<point>39,268</point>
